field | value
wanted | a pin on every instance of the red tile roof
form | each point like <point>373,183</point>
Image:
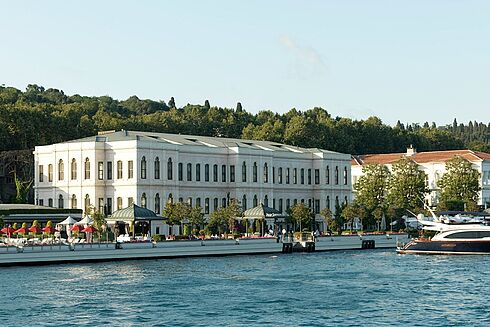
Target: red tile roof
<point>419,157</point>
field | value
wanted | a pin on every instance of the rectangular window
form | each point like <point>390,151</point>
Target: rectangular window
<point>327,175</point>
<point>244,172</point>
<point>119,169</point>
<point>273,175</point>
<point>180,172</point>
<point>50,174</point>
<point>287,175</point>
<point>295,176</point>
<point>232,173</point>
<point>317,176</point>
<point>279,175</point>
<point>317,206</point>
<point>41,173</point>
<point>101,205</point>
<point>130,201</point>
<point>223,173</point>
<point>309,176</point>
<point>336,175</point>
<point>345,176</point>
<point>206,205</point>
<point>280,205</point>
<point>109,206</point>
<point>130,169</point>
<point>100,170</point>
<point>41,202</point>
<point>206,173</point>
<point>109,170</point>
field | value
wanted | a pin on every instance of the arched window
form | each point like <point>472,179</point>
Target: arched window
<point>206,172</point>
<point>189,172</point>
<point>73,169</point>
<point>50,173</point>
<point>73,201</point>
<point>327,202</point>
<point>61,170</point>
<point>336,175</point>
<point>119,203</point>
<point>143,168</point>
<point>255,201</point>
<point>119,169</point>
<point>198,203</point>
<point>215,204</point>
<point>244,172</point>
<point>345,176</point>
<point>87,168</point>
<point>266,173</point>
<point>61,203</point>
<point>255,173</point>
<point>169,169</point>
<point>157,168</point>
<point>157,203</point>
<point>189,202</point>
<point>198,172</point>
<point>266,201</point>
<point>206,205</point>
<point>279,175</point>
<point>170,198</point>
<point>288,204</point>
<point>143,200</point>
<point>327,175</point>
<point>215,173</point>
<point>87,204</point>
<point>244,202</point>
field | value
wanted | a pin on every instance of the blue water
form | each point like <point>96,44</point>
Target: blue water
<point>345,288</point>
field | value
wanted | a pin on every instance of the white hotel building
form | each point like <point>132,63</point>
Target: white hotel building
<point>115,169</point>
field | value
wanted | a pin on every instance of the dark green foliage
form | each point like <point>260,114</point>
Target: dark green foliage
<point>41,116</point>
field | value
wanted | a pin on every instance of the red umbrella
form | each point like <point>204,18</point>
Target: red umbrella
<point>7,230</point>
<point>89,229</point>
<point>21,230</point>
<point>35,229</point>
<point>48,230</point>
<point>76,228</point>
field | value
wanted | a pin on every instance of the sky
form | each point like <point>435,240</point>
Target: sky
<point>412,61</point>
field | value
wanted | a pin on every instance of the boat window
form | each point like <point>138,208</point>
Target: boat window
<point>469,235</point>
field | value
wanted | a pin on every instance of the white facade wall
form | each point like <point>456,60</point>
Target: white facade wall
<point>324,193</point>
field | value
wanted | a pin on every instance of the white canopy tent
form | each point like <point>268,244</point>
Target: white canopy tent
<point>68,221</point>
<point>85,221</point>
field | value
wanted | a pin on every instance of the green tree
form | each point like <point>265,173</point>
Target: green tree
<point>349,213</point>
<point>196,217</point>
<point>301,216</point>
<point>461,182</point>
<point>22,189</point>
<point>371,187</point>
<point>406,186</point>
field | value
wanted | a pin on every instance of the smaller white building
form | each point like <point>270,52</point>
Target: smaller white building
<point>433,163</point>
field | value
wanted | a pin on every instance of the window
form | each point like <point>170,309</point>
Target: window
<point>223,173</point>
<point>73,201</point>
<point>232,173</point>
<point>327,175</point>
<point>255,173</point>
<point>143,200</point>
<point>119,169</point>
<point>109,206</point>
<point>61,202</point>
<point>302,172</point>
<point>255,201</point>
<point>287,175</point>
<point>295,176</point>
<point>157,203</point>
<point>143,168</point>
<point>73,169</point>
<point>86,204</point>
<point>279,175</point>
<point>189,172</point>
<point>244,202</point>
<point>189,202</point>
<point>41,202</point>
<point>87,169</point>
<point>266,201</point>
<point>345,176</point>
<point>41,173</point>
<point>130,201</point>
<point>109,170</point>
<point>206,172</point>
<point>336,175</point>
<point>215,204</point>
<point>280,205</point>
<point>317,176</point>
<point>50,202</point>
<point>100,170</point>
<point>50,173</point>
<point>309,176</point>
<point>266,173</point>
<point>198,172</point>
<point>288,204</point>
<point>169,169</point>
<point>273,203</point>
<point>198,202</point>
<point>244,172</point>
<point>170,198</point>
<point>130,169</point>
<point>101,205</point>
<point>215,173</point>
<point>223,202</point>
<point>119,203</point>
<point>327,202</point>
<point>180,171</point>
<point>346,202</point>
<point>206,205</point>
<point>317,206</point>
<point>61,170</point>
<point>156,168</point>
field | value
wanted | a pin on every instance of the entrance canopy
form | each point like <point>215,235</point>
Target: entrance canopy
<point>133,213</point>
<point>262,212</point>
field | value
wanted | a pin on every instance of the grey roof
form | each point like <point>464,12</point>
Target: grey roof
<point>134,212</point>
<point>262,212</point>
<point>208,141</point>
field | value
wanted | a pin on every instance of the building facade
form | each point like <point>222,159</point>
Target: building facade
<point>433,164</point>
<point>114,169</point>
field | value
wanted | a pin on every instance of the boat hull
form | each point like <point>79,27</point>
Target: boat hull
<point>445,247</point>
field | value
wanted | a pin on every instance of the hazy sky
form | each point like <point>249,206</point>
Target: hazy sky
<point>407,60</point>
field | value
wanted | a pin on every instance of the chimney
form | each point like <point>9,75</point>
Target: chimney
<point>411,151</point>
